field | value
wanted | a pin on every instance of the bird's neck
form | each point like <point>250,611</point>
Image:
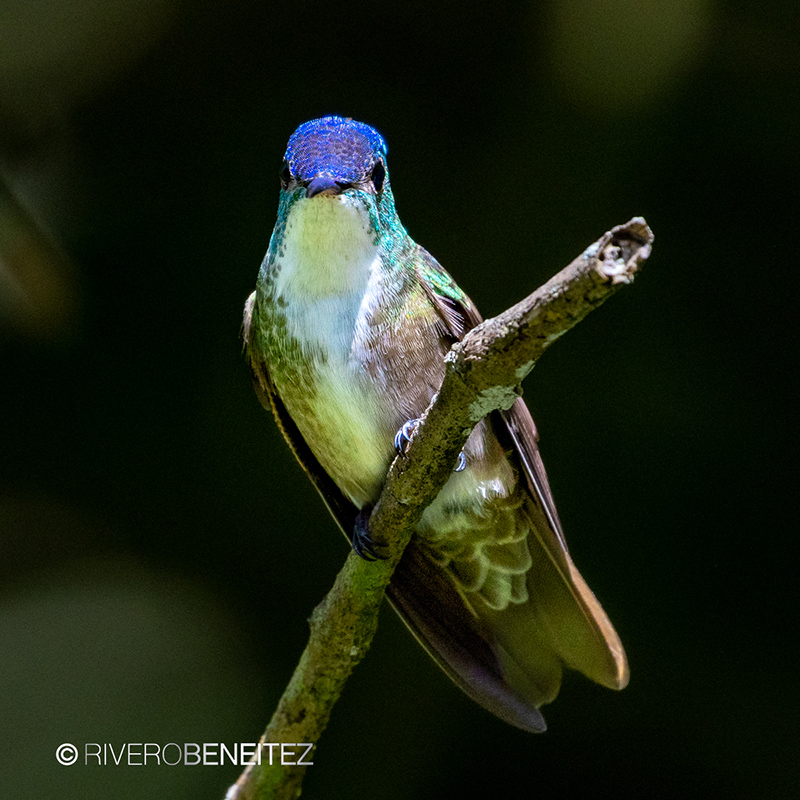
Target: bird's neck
<point>328,248</point>
<point>327,272</point>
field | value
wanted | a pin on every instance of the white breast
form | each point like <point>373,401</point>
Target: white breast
<point>328,258</point>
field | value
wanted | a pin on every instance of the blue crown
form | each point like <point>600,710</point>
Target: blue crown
<point>336,146</point>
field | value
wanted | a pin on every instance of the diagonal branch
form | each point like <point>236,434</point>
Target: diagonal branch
<point>484,373</point>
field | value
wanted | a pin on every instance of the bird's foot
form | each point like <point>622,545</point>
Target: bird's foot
<point>363,543</point>
<point>403,437</point>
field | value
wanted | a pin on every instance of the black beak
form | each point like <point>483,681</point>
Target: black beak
<point>324,184</point>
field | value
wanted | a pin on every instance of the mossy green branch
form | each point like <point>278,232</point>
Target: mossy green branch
<point>484,373</point>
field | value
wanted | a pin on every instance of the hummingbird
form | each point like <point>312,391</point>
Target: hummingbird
<point>346,335</point>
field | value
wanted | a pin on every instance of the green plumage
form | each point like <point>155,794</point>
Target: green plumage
<point>346,336</point>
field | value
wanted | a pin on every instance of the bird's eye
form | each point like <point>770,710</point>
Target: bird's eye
<point>378,176</point>
<point>285,174</point>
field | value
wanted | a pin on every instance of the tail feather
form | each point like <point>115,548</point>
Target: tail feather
<point>426,599</point>
<point>510,661</point>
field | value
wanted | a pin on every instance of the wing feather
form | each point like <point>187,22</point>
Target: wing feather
<point>562,616</point>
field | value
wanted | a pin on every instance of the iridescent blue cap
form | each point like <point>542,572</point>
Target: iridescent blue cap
<point>336,146</point>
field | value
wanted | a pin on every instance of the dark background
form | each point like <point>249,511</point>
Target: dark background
<point>161,550</point>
